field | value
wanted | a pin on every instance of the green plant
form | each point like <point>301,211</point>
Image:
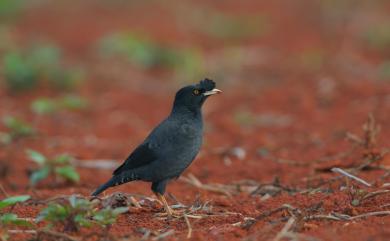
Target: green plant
<point>11,218</point>
<point>44,106</point>
<point>16,129</point>
<point>312,59</point>
<point>378,37</point>
<point>24,69</point>
<point>384,70</point>
<point>20,73</point>
<point>6,39</point>
<point>59,167</point>
<point>72,215</point>
<point>73,102</point>
<point>9,7</point>
<point>107,216</point>
<point>244,118</point>
<point>68,102</point>
<point>147,54</point>
<point>223,26</point>
<point>78,212</point>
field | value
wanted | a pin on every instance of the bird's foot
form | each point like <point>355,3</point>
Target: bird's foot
<point>170,213</point>
<point>178,214</point>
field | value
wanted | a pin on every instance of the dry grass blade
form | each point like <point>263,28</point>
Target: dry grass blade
<point>371,130</point>
<point>250,222</point>
<point>373,194</point>
<point>191,179</point>
<point>364,215</point>
<point>51,235</point>
<point>134,202</point>
<point>2,189</point>
<point>385,205</point>
<point>318,217</point>
<point>13,231</point>
<point>164,235</point>
<point>189,234</point>
<point>285,230</point>
<point>342,172</point>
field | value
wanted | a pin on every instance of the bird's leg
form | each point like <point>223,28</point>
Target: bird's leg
<point>170,213</point>
<point>167,208</point>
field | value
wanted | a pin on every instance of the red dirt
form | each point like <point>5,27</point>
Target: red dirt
<point>123,110</point>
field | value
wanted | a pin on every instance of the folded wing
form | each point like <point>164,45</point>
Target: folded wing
<point>143,155</point>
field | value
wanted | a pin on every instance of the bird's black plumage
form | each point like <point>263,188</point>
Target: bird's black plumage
<point>171,146</point>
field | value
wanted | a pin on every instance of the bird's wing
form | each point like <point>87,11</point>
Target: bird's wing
<point>141,156</point>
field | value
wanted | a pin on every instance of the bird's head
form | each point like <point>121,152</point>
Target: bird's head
<point>192,97</point>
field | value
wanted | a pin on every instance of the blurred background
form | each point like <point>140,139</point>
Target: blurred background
<point>93,77</point>
<point>83,82</point>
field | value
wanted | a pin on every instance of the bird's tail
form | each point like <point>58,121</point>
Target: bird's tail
<point>115,181</point>
<point>103,187</point>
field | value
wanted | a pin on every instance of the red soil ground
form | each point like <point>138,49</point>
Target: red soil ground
<point>301,122</point>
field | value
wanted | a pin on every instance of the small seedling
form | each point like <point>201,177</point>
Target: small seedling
<point>147,54</point>
<point>16,129</point>
<point>72,215</point>
<point>244,118</point>
<point>59,167</point>
<point>20,73</point>
<point>384,70</point>
<point>227,27</point>
<point>44,106</point>
<point>107,216</point>
<point>378,37</point>
<point>49,106</point>
<point>73,102</point>
<point>8,8</point>
<point>11,218</point>
<point>24,69</point>
<point>78,212</point>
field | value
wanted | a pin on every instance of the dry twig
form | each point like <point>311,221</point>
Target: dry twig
<point>191,179</point>
<point>52,235</point>
<point>189,234</point>
<point>2,189</point>
<point>364,215</point>
<point>164,235</point>
<point>349,175</point>
<point>285,229</point>
<point>373,194</point>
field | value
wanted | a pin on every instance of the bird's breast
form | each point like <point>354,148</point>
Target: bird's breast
<point>190,131</point>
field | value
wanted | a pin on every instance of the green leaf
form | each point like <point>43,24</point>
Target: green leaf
<point>17,127</point>
<point>44,106</point>
<point>73,102</point>
<point>36,157</point>
<point>20,73</point>
<point>104,217</point>
<point>62,159</point>
<point>39,175</point>
<point>7,218</point>
<point>120,210</point>
<point>68,172</point>
<point>73,201</point>
<point>5,138</point>
<point>108,215</point>
<point>53,213</point>
<point>82,220</point>
<point>13,200</point>
<point>10,218</point>
<point>355,202</point>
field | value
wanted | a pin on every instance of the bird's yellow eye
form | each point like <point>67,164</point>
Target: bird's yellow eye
<point>196,92</point>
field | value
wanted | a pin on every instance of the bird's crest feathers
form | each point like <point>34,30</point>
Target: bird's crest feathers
<point>206,84</point>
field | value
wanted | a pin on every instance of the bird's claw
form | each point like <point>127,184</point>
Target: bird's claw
<point>171,214</point>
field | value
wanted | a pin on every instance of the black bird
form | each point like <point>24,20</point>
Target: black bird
<point>170,147</point>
